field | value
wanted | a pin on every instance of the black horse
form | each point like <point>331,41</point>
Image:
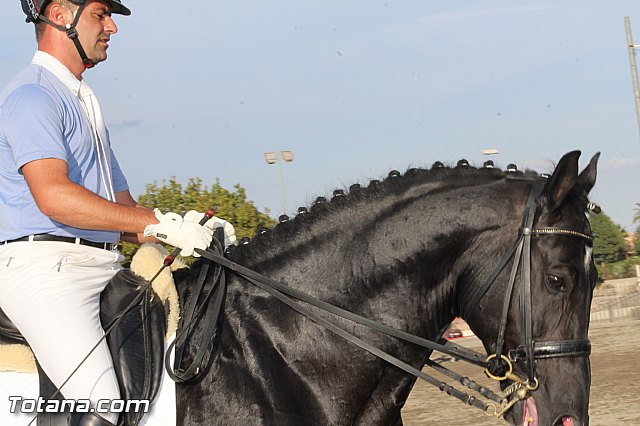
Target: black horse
<point>406,252</point>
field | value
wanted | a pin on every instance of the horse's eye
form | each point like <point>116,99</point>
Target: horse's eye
<point>556,282</point>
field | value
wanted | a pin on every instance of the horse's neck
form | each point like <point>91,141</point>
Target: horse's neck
<point>397,261</point>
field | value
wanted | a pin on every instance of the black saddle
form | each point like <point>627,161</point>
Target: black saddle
<point>136,345</point>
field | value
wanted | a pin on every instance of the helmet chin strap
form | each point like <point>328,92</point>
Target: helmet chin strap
<point>73,35</point>
<point>70,30</point>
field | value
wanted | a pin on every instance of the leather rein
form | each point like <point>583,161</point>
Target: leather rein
<point>498,366</point>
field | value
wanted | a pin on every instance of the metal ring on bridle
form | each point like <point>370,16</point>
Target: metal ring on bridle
<point>535,386</point>
<point>493,376</point>
<point>491,410</point>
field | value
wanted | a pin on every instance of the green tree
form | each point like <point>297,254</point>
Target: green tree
<point>636,215</point>
<point>232,206</point>
<point>609,245</point>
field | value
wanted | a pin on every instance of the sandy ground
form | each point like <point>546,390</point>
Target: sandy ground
<point>615,370</point>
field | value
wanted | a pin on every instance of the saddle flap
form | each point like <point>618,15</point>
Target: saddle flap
<point>137,342</point>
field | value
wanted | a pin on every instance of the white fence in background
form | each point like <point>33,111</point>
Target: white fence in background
<point>616,300</point>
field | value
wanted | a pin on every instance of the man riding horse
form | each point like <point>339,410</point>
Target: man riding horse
<point>65,203</point>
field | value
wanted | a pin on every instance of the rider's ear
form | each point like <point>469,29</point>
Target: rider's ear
<point>588,176</point>
<point>562,180</point>
<point>58,14</point>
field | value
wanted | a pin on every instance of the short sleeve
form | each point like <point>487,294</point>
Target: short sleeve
<point>119,180</point>
<point>33,125</point>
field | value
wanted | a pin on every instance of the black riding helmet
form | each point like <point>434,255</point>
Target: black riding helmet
<point>34,9</point>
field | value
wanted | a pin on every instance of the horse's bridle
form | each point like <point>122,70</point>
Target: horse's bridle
<point>500,365</point>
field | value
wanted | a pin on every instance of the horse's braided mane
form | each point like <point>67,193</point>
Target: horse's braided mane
<point>460,175</point>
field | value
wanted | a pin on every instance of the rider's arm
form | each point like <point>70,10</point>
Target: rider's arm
<point>125,198</point>
<point>69,203</point>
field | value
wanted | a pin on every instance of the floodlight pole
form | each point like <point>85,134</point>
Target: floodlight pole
<point>275,158</point>
<point>283,191</point>
<point>634,69</point>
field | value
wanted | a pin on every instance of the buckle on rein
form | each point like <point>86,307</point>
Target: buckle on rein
<point>517,391</point>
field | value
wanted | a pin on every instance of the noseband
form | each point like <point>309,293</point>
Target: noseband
<point>500,364</point>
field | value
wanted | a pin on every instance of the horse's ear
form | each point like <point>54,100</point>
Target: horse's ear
<point>587,178</point>
<point>564,177</point>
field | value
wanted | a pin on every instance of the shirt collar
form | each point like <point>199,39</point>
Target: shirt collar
<point>58,69</point>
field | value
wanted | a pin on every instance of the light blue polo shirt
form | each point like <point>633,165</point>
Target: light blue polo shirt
<point>41,117</point>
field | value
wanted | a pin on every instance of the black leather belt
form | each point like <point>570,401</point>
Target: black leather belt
<point>47,237</point>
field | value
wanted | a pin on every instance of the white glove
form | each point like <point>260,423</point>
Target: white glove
<point>213,223</point>
<point>176,231</point>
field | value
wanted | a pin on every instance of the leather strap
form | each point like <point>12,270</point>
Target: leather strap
<point>212,300</point>
<point>468,306</point>
<point>58,238</point>
<point>463,380</point>
<point>553,349</point>
<point>507,300</point>
<point>525,277</point>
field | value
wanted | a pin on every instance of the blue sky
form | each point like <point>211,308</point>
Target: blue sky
<point>357,88</point>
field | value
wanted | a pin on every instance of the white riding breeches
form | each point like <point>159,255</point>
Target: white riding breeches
<point>51,292</point>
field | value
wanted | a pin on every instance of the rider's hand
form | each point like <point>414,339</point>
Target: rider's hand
<point>213,223</point>
<point>181,233</point>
